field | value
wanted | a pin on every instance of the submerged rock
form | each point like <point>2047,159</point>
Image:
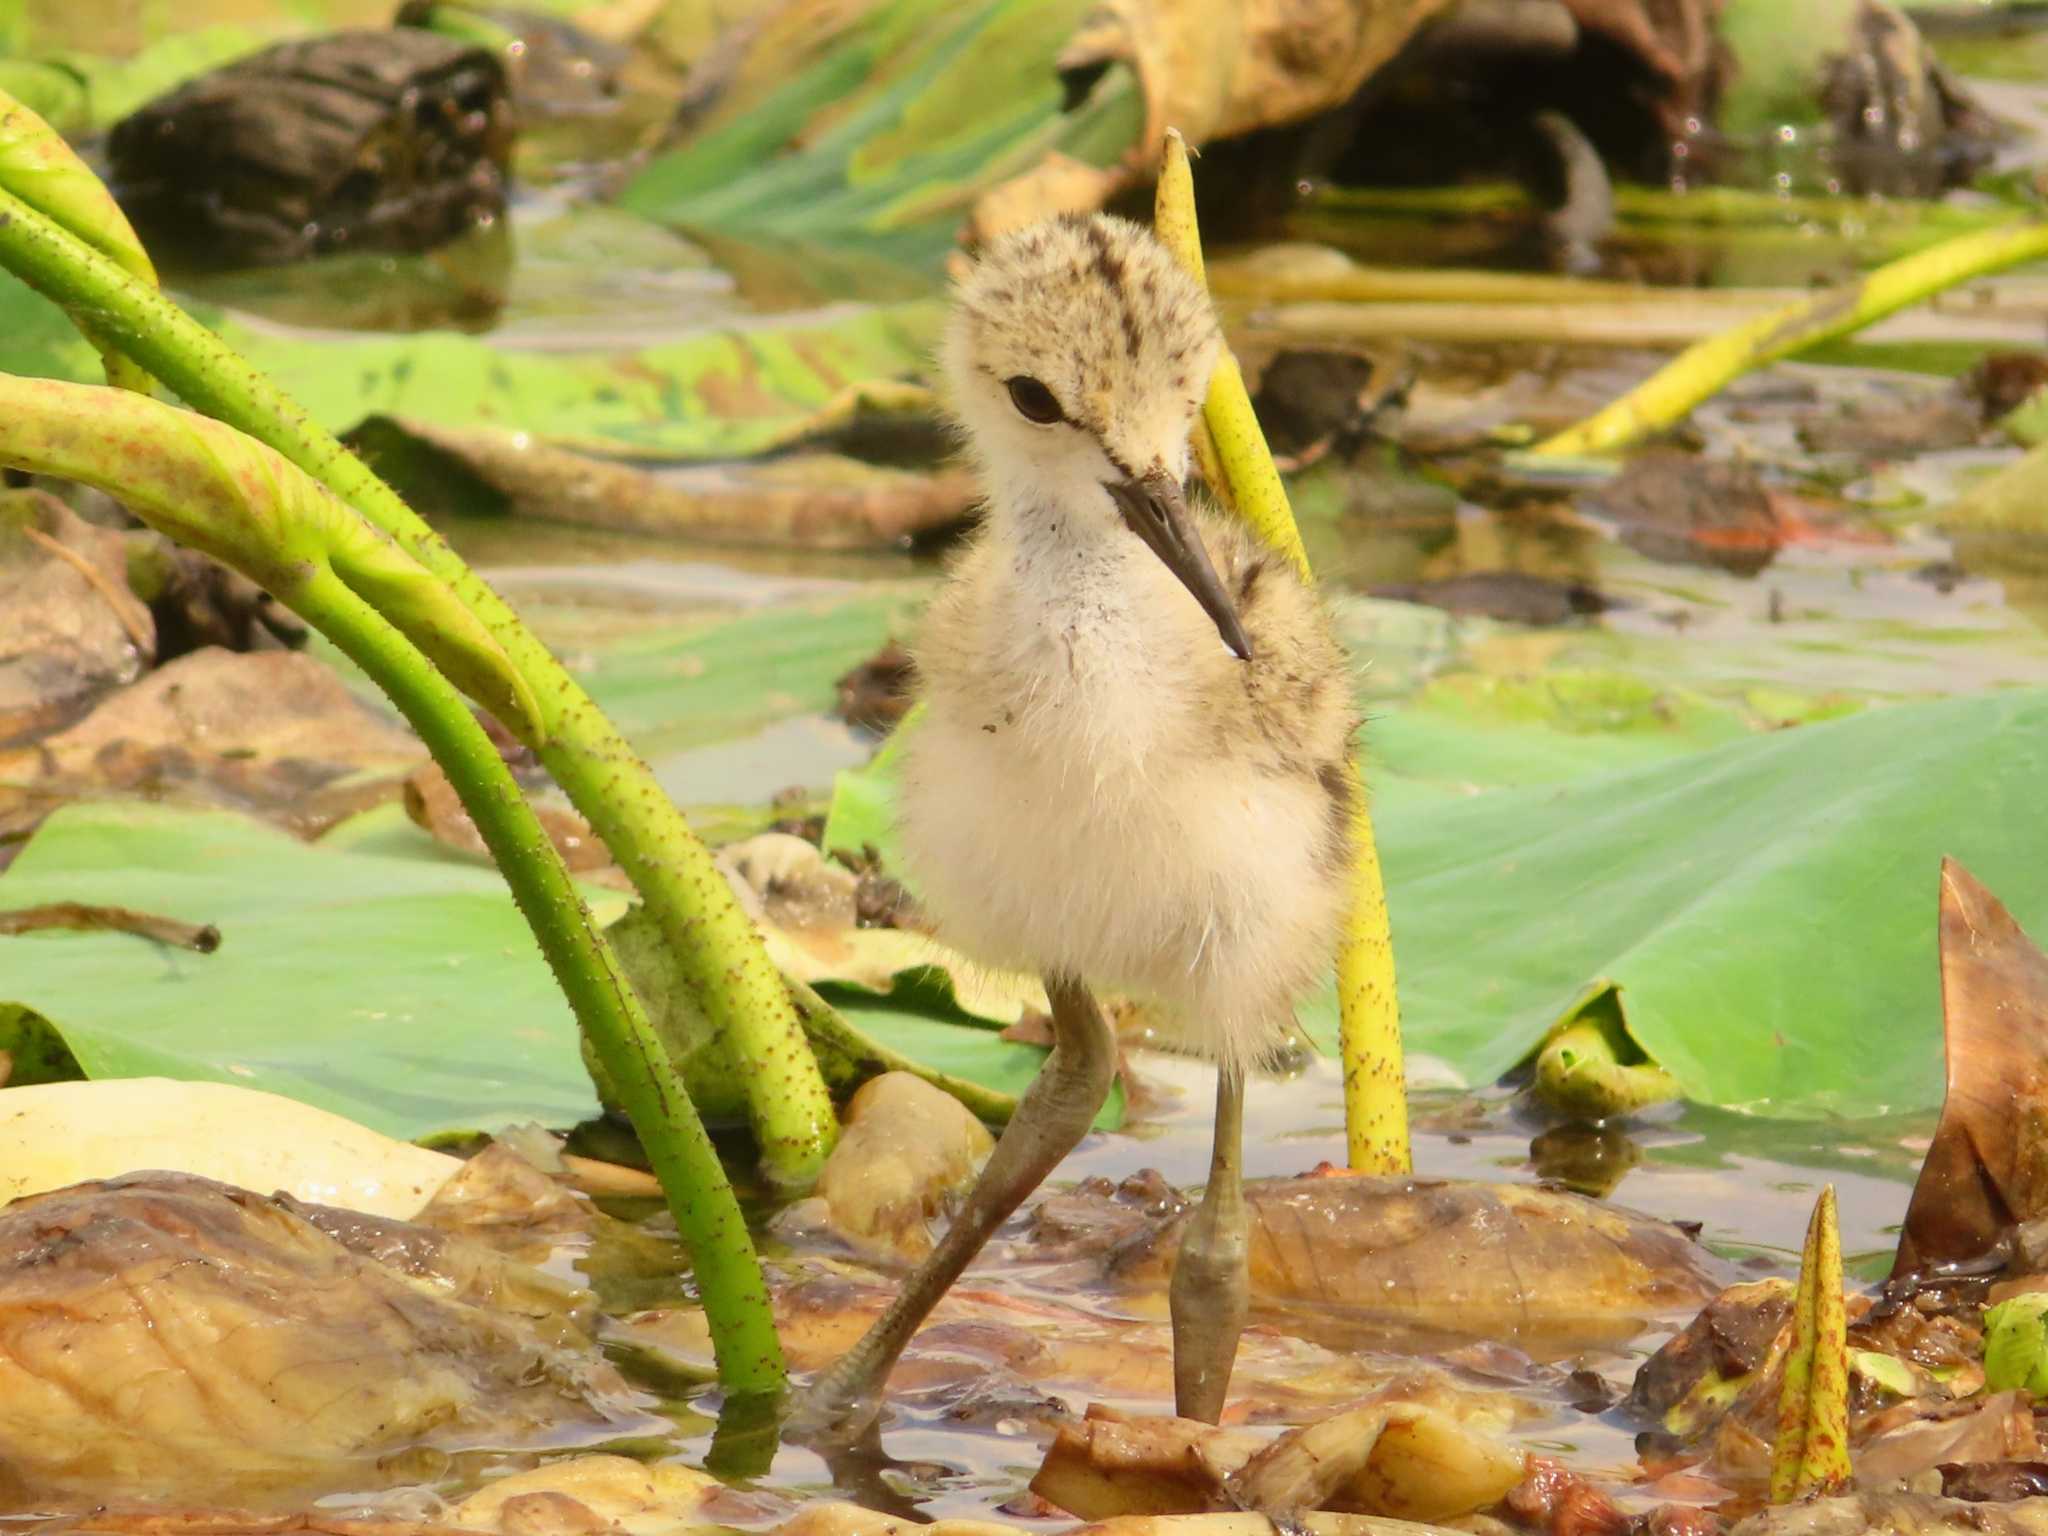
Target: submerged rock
<point>908,1151</point>
<point>1514,597</point>
<point>375,139</point>
<point>169,1337</point>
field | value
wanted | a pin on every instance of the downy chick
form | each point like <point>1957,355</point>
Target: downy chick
<point>1131,771</point>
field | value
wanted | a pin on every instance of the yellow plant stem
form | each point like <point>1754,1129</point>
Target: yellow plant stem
<point>1234,459</point>
<point>1811,1455</point>
<point>1295,274</point>
<point>1703,369</point>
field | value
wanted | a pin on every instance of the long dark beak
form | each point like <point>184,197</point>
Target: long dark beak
<point>1153,508</point>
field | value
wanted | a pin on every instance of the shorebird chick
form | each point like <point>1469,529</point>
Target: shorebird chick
<point>1131,771</point>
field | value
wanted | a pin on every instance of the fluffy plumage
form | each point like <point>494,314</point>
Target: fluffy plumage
<point>1099,788</point>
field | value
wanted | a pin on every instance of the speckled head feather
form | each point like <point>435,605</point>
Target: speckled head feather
<point>1100,787</point>
<point>1096,311</point>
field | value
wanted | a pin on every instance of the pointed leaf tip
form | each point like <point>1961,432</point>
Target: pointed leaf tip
<point>1811,1455</point>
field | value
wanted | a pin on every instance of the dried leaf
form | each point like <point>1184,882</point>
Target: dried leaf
<point>1993,1429</point>
<point>55,1134</point>
<point>1111,1465</point>
<point>433,806</point>
<point>1987,1168</point>
<point>1415,1264</point>
<point>1401,1459</point>
<point>208,1344</point>
<point>908,1149</point>
<point>806,500</point>
<point>1218,68</point>
<point>73,628</point>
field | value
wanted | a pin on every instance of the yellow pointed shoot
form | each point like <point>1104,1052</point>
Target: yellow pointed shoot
<point>1232,452</point>
<point>1811,1455</point>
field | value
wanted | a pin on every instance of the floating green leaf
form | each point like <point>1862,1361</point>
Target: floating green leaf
<point>711,681</point>
<point>403,993</point>
<point>1750,908</point>
<point>379,978</point>
<point>728,393</point>
<point>1588,1066</point>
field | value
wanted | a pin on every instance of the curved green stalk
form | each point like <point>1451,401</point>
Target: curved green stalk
<point>205,484</point>
<point>1702,370</point>
<point>718,950</point>
<point>46,173</point>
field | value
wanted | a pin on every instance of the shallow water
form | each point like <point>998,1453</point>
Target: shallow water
<point>1874,603</point>
<point>1750,1181</point>
<point>1870,601</point>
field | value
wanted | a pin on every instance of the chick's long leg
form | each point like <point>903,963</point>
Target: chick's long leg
<point>1054,1114</point>
<point>1211,1282</point>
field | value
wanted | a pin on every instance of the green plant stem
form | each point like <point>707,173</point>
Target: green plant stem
<point>46,173</point>
<point>706,1212</point>
<point>1703,369</point>
<point>736,986</point>
<point>186,473</point>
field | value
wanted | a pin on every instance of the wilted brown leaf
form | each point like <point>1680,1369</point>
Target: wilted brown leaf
<point>263,731</point>
<point>168,1333</point>
<point>1114,1464</point>
<point>73,630</point>
<point>275,706</point>
<point>808,500</point>
<point>1366,1260</point>
<point>1404,1459</point>
<point>434,807</point>
<point>1997,1428</point>
<point>1212,69</point>
<point>1217,68</point>
<point>232,1522</point>
<point>1987,1169</point>
<point>1731,1338</point>
<point>995,1348</point>
<point>1407,1460</point>
<point>1898,1514</point>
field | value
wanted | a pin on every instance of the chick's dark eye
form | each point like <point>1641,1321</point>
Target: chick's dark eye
<point>1033,400</point>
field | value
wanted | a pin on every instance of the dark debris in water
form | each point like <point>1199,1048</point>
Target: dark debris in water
<point>1515,597</point>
